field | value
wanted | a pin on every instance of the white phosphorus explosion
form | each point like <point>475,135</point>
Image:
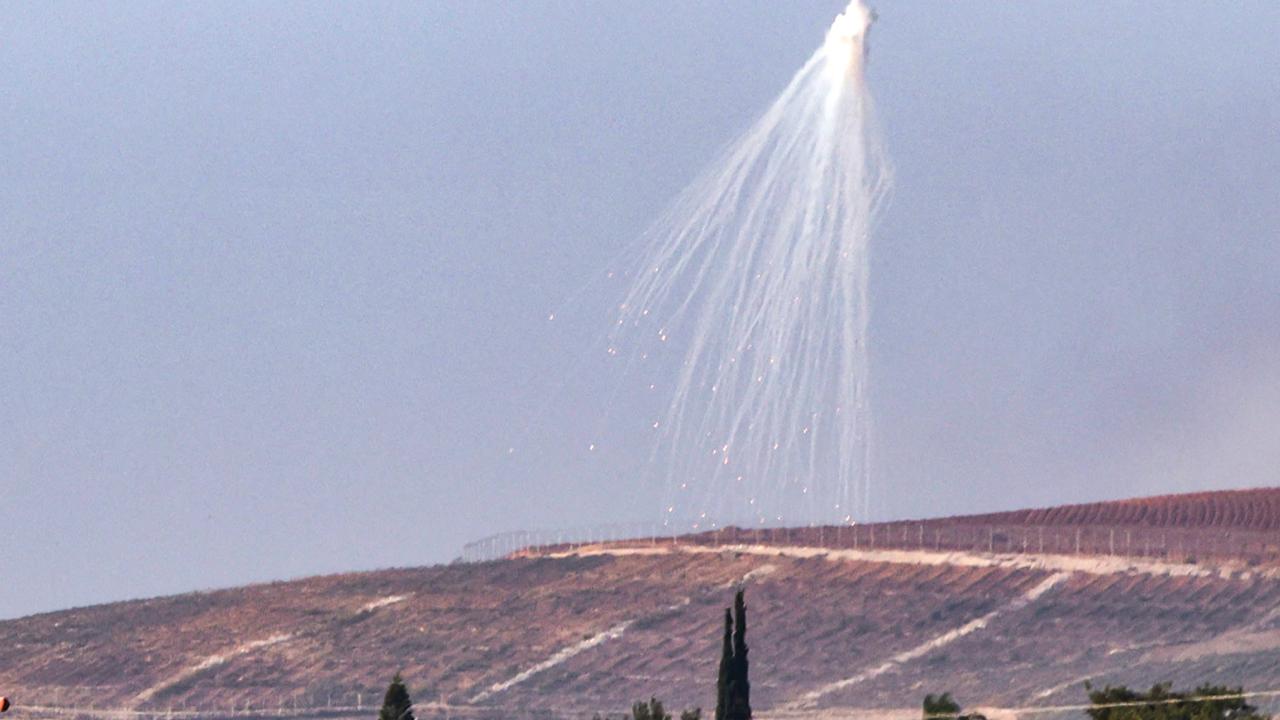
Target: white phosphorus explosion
<point>750,308</point>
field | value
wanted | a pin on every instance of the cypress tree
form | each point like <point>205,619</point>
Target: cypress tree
<point>738,705</point>
<point>396,704</point>
<point>726,667</point>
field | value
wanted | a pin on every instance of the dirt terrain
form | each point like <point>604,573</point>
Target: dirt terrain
<point>839,624</point>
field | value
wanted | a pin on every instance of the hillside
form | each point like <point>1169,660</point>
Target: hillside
<point>841,623</point>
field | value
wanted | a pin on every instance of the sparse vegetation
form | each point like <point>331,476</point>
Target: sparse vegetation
<point>654,710</point>
<point>1161,702</point>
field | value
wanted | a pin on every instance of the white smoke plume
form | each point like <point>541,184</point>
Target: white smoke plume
<point>749,307</point>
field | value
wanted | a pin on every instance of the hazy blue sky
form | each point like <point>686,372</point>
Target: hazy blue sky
<point>274,276</point>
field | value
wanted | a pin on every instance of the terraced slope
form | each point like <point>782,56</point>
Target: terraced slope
<point>566,632</point>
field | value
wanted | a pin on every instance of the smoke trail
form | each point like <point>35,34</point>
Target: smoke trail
<point>749,307</point>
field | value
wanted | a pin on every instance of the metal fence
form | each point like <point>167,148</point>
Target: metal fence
<point>505,544</point>
<point>1181,545</point>
<point>1253,547</point>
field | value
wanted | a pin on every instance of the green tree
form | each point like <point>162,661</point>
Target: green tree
<point>944,706</point>
<point>651,710</point>
<point>1206,702</point>
<point>738,687</point>
<point>940,706</point>
<point>396,704</point>
<point>726,667</point>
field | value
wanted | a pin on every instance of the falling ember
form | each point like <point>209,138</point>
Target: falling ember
<point>752,292</point>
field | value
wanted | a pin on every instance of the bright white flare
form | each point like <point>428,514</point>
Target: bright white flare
<point>750,306</point>
<point>846,40</point>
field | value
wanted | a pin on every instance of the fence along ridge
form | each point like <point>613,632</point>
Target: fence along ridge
<point>1180,545</point>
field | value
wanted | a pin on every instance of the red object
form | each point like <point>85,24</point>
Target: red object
<point>4,703</point>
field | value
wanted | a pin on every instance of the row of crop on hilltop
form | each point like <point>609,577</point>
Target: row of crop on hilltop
<point>1237,510</point>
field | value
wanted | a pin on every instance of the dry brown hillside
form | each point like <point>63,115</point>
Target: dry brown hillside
<point>839,623</point>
